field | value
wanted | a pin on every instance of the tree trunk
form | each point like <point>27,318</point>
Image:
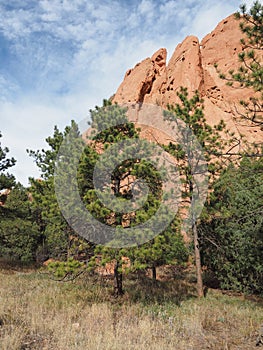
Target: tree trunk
<point>199,286</point>
<point>198,266</point>
<point>154,273</point>
<point>118,280</point>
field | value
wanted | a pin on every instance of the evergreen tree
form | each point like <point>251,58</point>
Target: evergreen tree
<point>68,181</point>
<point>19,235</point>
<point>114,127</point>
<point>59,240</point>
<point>6,180</point>
<point>214,142</point>
<point>231,228</point>
<point>250,72</point>
<point>166,248</point>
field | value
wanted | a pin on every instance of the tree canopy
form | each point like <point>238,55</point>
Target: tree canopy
<point>250,71</point>
<point>168,246</point>
<point>6,180</point>
<point>231,228</point>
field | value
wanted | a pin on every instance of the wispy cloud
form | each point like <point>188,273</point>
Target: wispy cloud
<point>59,58</point>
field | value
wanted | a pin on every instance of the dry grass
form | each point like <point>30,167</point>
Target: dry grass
<point>38,313</point>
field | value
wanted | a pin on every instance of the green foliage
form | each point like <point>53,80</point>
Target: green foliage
<point>251,25</point>
<point>113,127</point>
<point>49,218</point>
<point>45,159</point>
<point>250,72</point>
<point>166,248</point>
<point>19,235</point>
<point>211,139</point>
<point>111,123</point>
<point>6,180</point>
<point>199,144</point>
<point>85,170</point>
<point>232,228</point>
<point>66,269</point>
<point>202,140</point>
<point>58,237</point>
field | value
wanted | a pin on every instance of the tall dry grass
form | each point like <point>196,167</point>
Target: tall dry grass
<point>38,313</point>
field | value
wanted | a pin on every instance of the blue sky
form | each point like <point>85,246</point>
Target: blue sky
<point>60,58</point>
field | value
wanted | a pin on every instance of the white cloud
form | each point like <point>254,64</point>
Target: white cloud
<point>25,125</point>
<point>205,19</point>
<point>7,87</point>
<point>146,8</point>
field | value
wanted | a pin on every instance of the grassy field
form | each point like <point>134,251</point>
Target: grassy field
<point>38,313</point>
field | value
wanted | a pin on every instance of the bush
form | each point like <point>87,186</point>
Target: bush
<point>231,229</point>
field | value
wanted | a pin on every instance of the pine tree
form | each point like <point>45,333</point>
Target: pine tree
<point>70,171</point>
<point>250,72</point>
<point>19,237</point>
<point>168,248</point>
<point>231,228</point>
<point>6,180</point>
<point>59,239</point>
<point>114,128</point>
<point>214,143</point>
<point>19,234</point>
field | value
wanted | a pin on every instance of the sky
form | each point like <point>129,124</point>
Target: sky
<point>61,58</point>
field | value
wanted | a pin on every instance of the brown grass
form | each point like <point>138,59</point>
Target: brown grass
<point>38,313</point>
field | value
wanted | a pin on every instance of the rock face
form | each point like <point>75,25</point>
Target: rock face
<point>153,81</point>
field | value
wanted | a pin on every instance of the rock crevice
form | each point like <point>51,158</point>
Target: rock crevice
<point>192,65</point>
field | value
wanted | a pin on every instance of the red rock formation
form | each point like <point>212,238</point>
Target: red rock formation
<point>192,65</point>
<point>139,81</point>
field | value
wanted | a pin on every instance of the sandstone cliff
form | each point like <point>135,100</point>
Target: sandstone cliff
<point>153,81</point>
